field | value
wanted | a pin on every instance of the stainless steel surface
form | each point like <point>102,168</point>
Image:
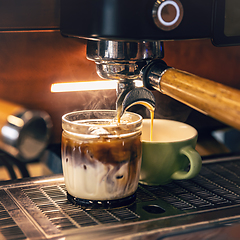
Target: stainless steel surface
<point>26,134</point>
<point>125,85</point>
<point>120,59</point>
<point>107,50</point>
<point>36,208</point>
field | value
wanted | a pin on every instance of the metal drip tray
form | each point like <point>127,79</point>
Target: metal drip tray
<point>37,208</point>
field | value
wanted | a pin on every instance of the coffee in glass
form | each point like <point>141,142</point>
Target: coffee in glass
<point>101,158</point>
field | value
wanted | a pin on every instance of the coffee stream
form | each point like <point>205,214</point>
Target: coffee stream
<point>151,129</point>
<point>148,106</point>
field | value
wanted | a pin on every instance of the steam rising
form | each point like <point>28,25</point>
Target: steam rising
<point>93,100</point>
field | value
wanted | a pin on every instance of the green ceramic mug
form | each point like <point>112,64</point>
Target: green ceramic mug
<point>171,154</point>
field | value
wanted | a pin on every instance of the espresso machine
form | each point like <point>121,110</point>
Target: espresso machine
<point>126,41</point>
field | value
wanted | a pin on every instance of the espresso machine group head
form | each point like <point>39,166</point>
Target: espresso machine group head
<point>122,60</point>
<point>125,39</point>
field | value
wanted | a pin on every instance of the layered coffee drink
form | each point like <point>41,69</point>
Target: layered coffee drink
<point>101,158</point>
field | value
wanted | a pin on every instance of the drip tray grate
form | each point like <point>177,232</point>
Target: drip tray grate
<point>44,203</point>
<point>214,187</point>
<point>8,227</point>
<point>52,202</point>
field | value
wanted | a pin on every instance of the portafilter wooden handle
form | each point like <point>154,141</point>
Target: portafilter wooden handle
<point>214,99</point>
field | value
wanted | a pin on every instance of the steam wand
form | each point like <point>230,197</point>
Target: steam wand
<point>214,99</point>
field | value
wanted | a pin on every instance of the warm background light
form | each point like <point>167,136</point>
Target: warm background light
<point>87,86</point>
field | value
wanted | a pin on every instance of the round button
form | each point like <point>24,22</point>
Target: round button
<point>167,14</point>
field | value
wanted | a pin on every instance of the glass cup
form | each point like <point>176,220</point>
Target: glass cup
<point>101,158</point>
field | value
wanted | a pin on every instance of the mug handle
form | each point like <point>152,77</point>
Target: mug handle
<point>195,164</point>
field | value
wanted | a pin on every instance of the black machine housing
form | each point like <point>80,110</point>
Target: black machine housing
<point>132,20</point>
